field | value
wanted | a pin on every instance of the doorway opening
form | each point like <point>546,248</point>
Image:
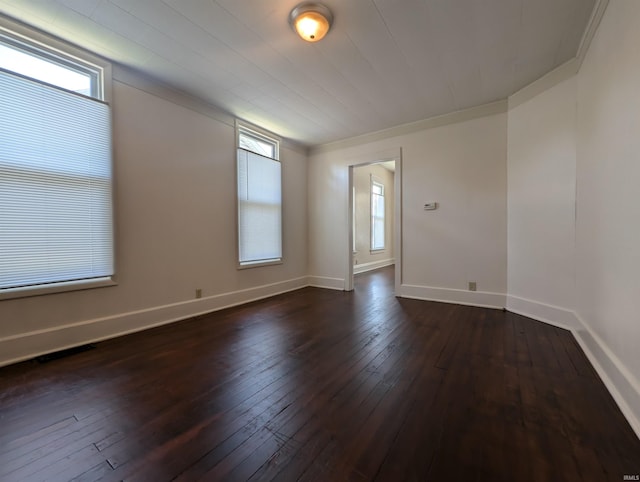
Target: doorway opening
<point>375,219</point>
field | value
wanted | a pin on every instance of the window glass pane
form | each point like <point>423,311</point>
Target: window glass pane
<point>44,70</point>
<point>378,234</point>
<point>377,216</point>
<point>259,146</point>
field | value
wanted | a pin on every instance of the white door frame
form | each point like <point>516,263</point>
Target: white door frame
<point>396,156</point>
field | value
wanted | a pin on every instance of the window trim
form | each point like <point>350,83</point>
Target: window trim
<point>67,54</point>
<point>57,287</point>
<point>34,50</point>
<point>51,48</point>
<point>242,127</point>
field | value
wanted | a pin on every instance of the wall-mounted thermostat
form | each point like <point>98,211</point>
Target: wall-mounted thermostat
<point>431,206</point>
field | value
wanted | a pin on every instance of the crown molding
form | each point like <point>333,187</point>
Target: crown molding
<point>550,79</point>
<point>569,68</point>
<point>592,27</point>
<point>498,107</point>
<point>138,80</point>
<point>547,81</point>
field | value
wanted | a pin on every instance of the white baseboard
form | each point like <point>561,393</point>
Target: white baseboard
<point>619,381</point>
<point>328,283</point>
<point>447,295</point>
<point>25,346</point>
<point>364,267</point>
<point>552,315</point>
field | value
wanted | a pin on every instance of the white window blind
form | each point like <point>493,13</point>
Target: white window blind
<point>377,215</point>
<point>55,185</point>
<point>259,208</point>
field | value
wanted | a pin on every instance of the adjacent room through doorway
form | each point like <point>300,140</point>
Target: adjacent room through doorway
<point>373,216</point>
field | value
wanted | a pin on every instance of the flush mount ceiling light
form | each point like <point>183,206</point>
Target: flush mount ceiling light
<point>311,21</point>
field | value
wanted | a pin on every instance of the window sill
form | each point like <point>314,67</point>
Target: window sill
<point>63,287</point>
<point>377,251</point>
<point>258,264</point>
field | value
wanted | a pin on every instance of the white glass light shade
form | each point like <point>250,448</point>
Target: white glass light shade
<point>311,21</point>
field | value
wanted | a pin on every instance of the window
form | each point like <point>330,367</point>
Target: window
<point>377,215</point>
<point>56,229</point>
<point>259,199</point>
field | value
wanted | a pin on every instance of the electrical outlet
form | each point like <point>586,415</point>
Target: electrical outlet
<point>198,293</point>
<point>472,286</point>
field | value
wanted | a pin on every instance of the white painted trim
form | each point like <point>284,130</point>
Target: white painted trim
<point>387,155</point>
<point>498,107</point>
<point>398,223</point>
<point>327,283</point>
<point>24,346</point>
<point>566,70</point>
<point>621,383</point>
<point>61,287</point>
<point>552,315</point>
<point>348,285</point>
<point>49,42</point>
<point>364,267</point>
<point>481,299</point>
<point>544,83</point>
<point>592,27</point>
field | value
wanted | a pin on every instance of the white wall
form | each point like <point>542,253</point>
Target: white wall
<point>574,176</point>
<point>175,232</point>
<point>608,179</point>
<point>541,204</point>
<point>462,166</point>
<point>362,183</point>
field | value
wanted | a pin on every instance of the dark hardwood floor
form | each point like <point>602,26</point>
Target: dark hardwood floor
<point>320,385</point>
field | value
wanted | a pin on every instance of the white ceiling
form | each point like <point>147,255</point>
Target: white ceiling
<point>384,62</point>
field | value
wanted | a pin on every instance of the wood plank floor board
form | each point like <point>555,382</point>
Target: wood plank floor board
<point>375,369</point>
<point>103,426</point>
<point>320,385</point>
<point>98,472</point>
<point>578,359</point>
<point>337,446</point>
<point>370,446</point>
<point>228,443</point>
<point>334,422</point>
<point>168,426</point>
<point>13,446</point>
<point>140,381</point>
